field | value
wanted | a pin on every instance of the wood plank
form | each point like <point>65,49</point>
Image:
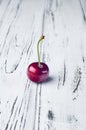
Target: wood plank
<point>58,103</point>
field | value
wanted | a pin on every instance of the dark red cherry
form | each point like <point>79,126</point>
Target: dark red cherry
<point>37,73</point>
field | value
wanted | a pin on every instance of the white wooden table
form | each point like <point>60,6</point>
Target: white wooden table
<point>60,102</point>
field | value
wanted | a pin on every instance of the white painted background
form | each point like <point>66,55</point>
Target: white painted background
<point>60,102</point>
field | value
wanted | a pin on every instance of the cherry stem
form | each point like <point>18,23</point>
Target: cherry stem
<point>41,38</point>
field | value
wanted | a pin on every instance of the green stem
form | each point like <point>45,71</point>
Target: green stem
<point>41,38</point>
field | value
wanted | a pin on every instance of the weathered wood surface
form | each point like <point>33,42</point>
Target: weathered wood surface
<point>60,102</point>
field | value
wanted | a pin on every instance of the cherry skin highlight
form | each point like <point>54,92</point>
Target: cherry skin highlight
<point>37,73</point>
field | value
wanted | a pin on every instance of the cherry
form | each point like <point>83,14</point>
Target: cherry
<point>38,71</point>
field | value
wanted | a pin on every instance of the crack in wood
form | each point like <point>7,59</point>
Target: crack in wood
<point>26,106</point>
<point>16,66</point>
<point>53,20</point>
<point>59,81</point>
<point>17,111</point>
<point>77,86</point>
<point>22,53</point>
<point>13,118</point>
<point>83,59</point>
<point>18,6</point>
<point>15,125</point>
<point>83,10</point>
<point>24,124</point>
<point>14,105</point>
<point>39,113</point>
<point>74,98</point>
<point>12,110</point>
<point>5,39</point>
<point>31,43</point>
<point>50,115</point>
<point>35,112</point>
<point>77,79</point>
<point>23,102</point>
<point>64,75</point>
<point>22,118</point>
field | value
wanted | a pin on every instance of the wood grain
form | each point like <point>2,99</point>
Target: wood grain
<point>59,102</point>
